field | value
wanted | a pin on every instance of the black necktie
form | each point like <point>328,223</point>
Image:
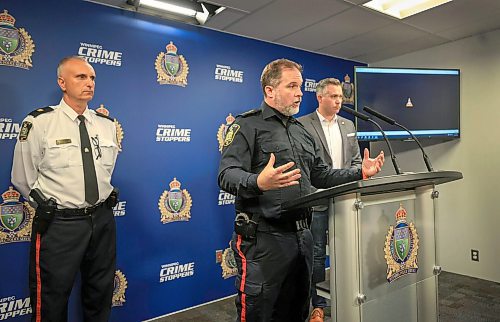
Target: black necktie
<point>89,176</point>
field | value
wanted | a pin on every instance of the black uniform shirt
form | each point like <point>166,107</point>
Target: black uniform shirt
<point>248,145</point>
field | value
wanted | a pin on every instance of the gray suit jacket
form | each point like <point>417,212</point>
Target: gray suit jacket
<point>351,155</point>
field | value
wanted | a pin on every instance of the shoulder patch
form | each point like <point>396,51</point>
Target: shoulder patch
<point>40,111</point>
<point>231,133</point>
<point>251,112</point>
<point>105,116</point>
<point>25,130</point>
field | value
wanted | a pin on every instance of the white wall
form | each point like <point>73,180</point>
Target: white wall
<point>468,210</point>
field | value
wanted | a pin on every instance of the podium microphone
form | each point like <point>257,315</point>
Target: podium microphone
<point>393,122</point>
<point>368,119</point>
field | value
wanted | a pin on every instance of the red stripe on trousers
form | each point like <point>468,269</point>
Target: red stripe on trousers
<point>38,282</point>
<point>243,280</point>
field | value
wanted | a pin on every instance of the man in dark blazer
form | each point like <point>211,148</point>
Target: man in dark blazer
<point>339,148</point>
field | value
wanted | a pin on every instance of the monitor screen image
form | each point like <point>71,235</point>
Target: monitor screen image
<point>426,101</point>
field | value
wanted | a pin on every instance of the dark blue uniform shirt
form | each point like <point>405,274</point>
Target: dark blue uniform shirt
<point>248,145</point>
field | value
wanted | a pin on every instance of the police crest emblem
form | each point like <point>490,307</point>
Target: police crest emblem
<point>16,218</point>
<point>228,264</point>
<point>347,90</point>
<point>119,129</point>
<point>221,133</point>
<point>175,204</point>
<point>171,68</point>
<point>401,247</point>
<point>120,285</point>
<point>16,45</point>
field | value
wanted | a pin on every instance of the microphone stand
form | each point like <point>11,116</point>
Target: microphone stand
<point>368,119</point>
<point>393,122</point>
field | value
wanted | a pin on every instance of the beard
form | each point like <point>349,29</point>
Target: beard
<point>288,110</point>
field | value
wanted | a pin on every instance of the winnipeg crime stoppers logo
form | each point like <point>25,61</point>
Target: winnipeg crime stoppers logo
<point>120,209</point>
<point>221,133</point>
<point>310,85</point>
<point>225,198</point>
<point>119,129</point>
<point>15,218</point>
<point>225,73</point>
<point>175,204</point>
<point>11,308</point>
<point>95,54</point>
<point>120,285</point>
<point>16,46</point>
<point>172,271</point>
<point>8,129</point>
<point>169,133</point>
<point>171,68</point>
<point>401,247</point>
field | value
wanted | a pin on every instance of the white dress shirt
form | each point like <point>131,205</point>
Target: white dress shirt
<point>50,158</point>
<point>333,136</point>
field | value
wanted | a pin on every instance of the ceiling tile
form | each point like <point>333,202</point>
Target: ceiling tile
<point>337,28</point>
<point>357,1</point>
<point>388,36</point>
<point>282,17</point>
<point>224,19</point>
<point>242,5</point>
<point>450,15</point>
<point>485,24</point>
<point>401,49</point>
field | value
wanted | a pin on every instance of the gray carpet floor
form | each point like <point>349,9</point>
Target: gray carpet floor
<point>461,299</point>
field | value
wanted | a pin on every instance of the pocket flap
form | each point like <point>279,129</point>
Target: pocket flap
<point>107,143</point>
<point>273,147</point>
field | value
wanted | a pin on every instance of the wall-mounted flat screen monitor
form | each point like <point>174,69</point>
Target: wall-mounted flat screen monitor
<point>426,101</point>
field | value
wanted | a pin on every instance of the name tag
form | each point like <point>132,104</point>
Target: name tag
<point>63,141</point>
<point>351,134</point>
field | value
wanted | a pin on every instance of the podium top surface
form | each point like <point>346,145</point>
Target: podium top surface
<point>401,182</point>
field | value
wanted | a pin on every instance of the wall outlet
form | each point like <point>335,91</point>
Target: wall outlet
<point>474,255</point>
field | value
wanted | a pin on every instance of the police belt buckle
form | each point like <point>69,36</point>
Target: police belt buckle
<point>301,224</point>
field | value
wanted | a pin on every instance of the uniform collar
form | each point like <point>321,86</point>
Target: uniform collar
<point>268,111</point>
<point>73,115</point>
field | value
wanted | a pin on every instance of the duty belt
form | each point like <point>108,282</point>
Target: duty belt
<point>283,226</point>
<point>80,211</point>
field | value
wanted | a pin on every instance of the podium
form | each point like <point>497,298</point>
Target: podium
<point>382,246</point>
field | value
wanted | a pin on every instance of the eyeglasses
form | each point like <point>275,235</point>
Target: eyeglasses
<point>97,147</point>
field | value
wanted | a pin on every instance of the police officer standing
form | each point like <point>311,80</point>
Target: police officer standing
<point>63,159</point>
<point>269,158</point>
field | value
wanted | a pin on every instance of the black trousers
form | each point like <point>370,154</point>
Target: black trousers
<point>72,243</point>
<point>274,276</point>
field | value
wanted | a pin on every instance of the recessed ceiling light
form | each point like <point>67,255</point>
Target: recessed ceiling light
<point>403,8</point>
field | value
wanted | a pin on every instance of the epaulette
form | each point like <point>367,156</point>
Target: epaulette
<point>105,116</point>
<point>251,112</point>
<point>40,111</point>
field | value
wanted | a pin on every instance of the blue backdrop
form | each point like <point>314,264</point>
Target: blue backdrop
<point>170,131</point>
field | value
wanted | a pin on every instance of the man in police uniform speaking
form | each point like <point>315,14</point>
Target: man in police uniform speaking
<point>63,160</point>
<point>269,158</point>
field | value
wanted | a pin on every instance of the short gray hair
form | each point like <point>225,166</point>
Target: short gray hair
<point>322,84</point>
<point>65,60</point>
